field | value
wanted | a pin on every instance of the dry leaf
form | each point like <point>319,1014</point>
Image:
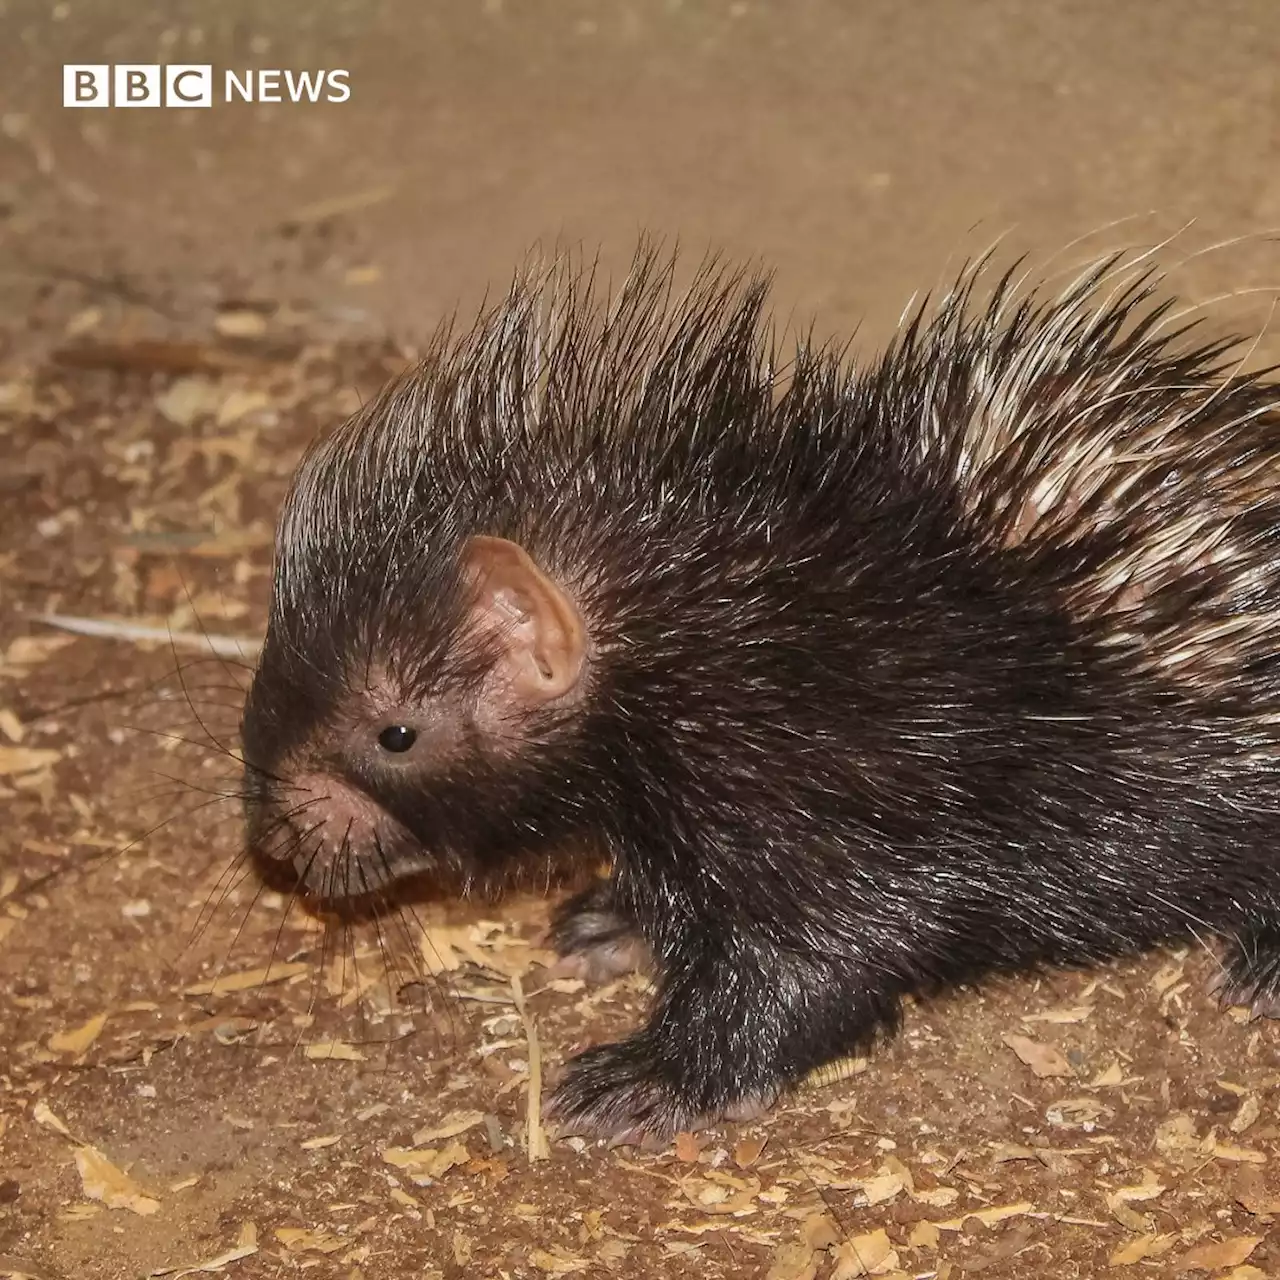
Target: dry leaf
<point>246,1246</point>
<point>882,1187</point>
<point>1109,1077</point>
<point>240,324</point>
<point>302,1240</point>
<point>866,1255</point>
<point>938,1197</point>
<point>1215,1254</point>
<point>11,726</point>
<point>924,1235</point>
<point>27,651</point>
<point>188,399</point>
<point>41,1114</point>
<point>1145,1246</point>
<point>19,760</point>
<point>820,1231</point>
<point>557,1264</point>
<point>1044,1060</point>
<point>794,1261</point>
<point>687,1148</point>
<point>748,1151</point>
<point>112,1186</point>
<point>1177,1135</point>
<point>424,1166</point>
<point>334,1051</point>
<point>1248,1113</point>
<point>78,1040</point>
<point>1237,1155</point>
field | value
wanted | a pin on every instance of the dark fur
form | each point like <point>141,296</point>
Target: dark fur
<point>846,736</point>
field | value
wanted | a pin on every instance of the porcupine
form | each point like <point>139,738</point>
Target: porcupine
<point>869,678</point>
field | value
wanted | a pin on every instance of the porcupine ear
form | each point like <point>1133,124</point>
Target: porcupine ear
<point>542,633</point>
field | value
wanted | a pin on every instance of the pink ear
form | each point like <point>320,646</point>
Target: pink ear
<point>541,630</point>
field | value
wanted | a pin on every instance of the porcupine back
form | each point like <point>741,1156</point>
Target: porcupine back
<point>1140,470</point>
<point>1136,468</point>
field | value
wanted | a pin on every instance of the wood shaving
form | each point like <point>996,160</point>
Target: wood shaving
<point>1224,1253</point>
<point>1141,1248</point>
<point>536,1144</point>
<point>988,1217</point>
<point>103,1181</point>
<point>78,1039</point>
<point>455,1123</point>
<point>248,979</point>
<point>334,1051</point>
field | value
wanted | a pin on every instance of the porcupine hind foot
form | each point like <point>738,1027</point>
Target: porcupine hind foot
<point>594,940</point>
<point>1250,973</point>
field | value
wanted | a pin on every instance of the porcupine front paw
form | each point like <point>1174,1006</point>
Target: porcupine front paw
<point>1250,973</point>
<point>616,1091</point>
<point>593,939</point>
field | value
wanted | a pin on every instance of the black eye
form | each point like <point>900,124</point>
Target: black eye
<point>397,737</point>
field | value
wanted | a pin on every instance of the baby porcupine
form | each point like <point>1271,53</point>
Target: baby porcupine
<point>868,680</point>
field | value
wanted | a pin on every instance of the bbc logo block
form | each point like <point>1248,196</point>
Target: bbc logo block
<point>137,85</point>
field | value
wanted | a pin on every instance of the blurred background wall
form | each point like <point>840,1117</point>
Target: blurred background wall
<point>857,147</point>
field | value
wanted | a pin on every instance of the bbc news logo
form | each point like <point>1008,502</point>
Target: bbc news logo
<point>187,85</point>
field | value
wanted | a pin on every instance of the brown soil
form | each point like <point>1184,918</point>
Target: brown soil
<point>188,296</point>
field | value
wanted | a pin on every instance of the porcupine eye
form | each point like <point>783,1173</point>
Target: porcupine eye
<point>397,738</point>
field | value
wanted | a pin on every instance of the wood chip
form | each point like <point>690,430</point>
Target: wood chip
<point>1044,1060</point>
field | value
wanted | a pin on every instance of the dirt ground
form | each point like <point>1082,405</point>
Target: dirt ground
<point>196,1079</point>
